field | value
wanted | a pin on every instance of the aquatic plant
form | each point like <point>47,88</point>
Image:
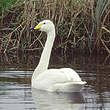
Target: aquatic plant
<point>100,15</point>
<point>78,25</point>
<point>6,5</point>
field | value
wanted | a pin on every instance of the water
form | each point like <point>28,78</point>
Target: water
<point>16,92</point>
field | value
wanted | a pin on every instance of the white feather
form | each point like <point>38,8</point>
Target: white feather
<point>64,79</point>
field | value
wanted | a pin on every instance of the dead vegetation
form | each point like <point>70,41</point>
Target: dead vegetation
<point>80,25</point>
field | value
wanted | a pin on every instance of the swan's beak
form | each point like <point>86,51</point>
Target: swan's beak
<point>35,27</point>
<point>31,28</point>
<point>38,26</point>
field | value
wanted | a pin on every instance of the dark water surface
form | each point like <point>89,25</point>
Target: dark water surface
<point>16,92</point>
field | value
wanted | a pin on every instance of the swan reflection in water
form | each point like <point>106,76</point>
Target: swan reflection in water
<point>57,101</point>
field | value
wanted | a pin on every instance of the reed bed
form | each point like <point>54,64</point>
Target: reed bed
<point>81,25</point>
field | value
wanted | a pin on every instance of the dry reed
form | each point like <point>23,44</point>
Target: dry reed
<point>78,25</point>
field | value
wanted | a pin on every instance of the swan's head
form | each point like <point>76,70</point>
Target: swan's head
<point>45,25</point>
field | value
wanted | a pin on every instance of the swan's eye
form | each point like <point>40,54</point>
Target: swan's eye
<point>44,23</point>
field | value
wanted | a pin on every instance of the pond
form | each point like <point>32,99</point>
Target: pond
<point>16,92</point>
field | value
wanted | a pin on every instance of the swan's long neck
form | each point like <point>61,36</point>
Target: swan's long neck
<point>44,60</point>
<point>45,56</point>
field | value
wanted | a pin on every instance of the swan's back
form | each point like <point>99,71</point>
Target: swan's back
<point>63,80</point>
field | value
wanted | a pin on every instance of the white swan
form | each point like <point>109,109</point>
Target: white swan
<point>60,80</point>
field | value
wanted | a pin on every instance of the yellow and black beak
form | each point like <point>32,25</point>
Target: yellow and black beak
<point>35,27</point>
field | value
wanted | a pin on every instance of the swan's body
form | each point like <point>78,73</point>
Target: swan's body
<point>63,80</point>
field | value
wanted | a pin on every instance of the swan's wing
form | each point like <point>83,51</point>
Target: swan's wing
<point>70,74</point>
